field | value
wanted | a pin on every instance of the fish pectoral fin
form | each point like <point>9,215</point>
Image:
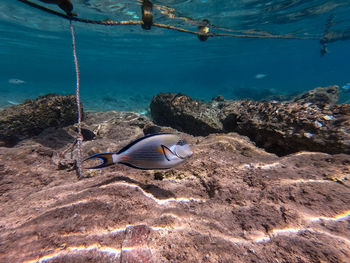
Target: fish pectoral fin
<point>167,152</point>
<point>106,158</point>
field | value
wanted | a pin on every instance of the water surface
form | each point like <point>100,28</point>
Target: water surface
<point>122,67</point>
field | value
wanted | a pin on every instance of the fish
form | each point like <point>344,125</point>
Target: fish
<point>150,152</point>
<point>346,87</point>
<point>16,81</point>
<point>260,76</point>
<point>13,102</point>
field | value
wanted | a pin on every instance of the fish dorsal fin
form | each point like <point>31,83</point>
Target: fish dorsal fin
<point>126,147</point>
<point>167,152</point>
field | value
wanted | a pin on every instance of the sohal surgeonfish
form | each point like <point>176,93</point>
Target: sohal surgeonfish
<point>155,151</point>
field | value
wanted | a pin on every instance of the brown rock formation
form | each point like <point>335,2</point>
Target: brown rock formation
<point>285,128</point>
<point>278,127</point>
<point>319,96</point>
<point>183,113</point>
<point>31,118</point>
<point>231,202</point>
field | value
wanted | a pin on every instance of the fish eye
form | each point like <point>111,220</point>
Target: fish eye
<point>181,142</point>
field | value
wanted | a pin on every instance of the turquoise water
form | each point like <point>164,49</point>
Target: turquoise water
<point>122,67</point>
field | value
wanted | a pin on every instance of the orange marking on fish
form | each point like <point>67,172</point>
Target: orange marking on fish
<point>125,157</point>
<point>161,150</point>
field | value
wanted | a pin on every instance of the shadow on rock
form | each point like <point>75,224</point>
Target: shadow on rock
<point>54,138</point>
<point>152,189</point>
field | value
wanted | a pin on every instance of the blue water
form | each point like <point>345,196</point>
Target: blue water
<point>122,67</point>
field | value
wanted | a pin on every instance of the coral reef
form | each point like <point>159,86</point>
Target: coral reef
<point>319,96</point>
<point>231,202</point>
<point>183,113</point>
<point>28,119</point>
<point>278,127</point>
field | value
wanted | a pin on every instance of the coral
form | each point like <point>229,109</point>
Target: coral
<point>231,202</point>
<point>278,127</point>
<point>25,120</point>
<point>319,96</point>
<point>183,113</point>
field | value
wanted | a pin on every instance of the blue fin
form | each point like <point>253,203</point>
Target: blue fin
<point>106,158</point>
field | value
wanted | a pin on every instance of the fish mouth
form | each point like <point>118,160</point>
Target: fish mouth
<point>185,155</point>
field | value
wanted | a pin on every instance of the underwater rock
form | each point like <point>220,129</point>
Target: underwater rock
<point>319,96</point>
<point>87,134</point>
<point>231,202</point>
<point>284,128</point>
<point>185,114</point>
<point>28,119</point>
<point>150,129</point>
<point>281,128</point>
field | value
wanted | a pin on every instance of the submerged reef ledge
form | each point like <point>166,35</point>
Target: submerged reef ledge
<point>29,119</point>
<point>230,202</point>
<point>309,123</point>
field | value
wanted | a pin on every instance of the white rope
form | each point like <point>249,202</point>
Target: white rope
<point>79,141</point>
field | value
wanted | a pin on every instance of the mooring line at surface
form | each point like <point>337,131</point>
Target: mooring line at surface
<point>202,34</point>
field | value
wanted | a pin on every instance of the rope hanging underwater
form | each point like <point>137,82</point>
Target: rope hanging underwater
<point>79,140</point>
<point>147,21</point>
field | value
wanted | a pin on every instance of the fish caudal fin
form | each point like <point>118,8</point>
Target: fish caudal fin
<point>106,158</point>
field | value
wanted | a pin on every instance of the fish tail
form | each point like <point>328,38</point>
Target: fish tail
<point>106,158</point>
